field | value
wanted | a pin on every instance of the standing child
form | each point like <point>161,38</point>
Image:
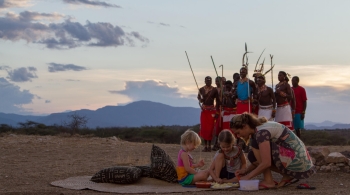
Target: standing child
<point>186,172</point>
<point>227,160</point>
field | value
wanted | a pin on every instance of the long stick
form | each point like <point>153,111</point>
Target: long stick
<point>200,149</point>
<point>222,91</point>
<point>217,75</point>
<point>248,78</point>
<point>192,71</point>
<point>199,103</point>
<point>271,56</point>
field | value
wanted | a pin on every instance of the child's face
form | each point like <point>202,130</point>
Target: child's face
<point>190,146</point>
<point>225,147</point>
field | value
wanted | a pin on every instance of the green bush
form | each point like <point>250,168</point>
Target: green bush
<point>164,134</point>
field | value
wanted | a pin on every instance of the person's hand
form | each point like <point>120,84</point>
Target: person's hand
<point>240,172</point>
<point>273,114</point>
<point>244,178</point>
<point>201,163</point>
<point>224,180</point>
<point>302,116</point>
<point>219,180</point>
<point>216,116</point>
<point>293,114</point>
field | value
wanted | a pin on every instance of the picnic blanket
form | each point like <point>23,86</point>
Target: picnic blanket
<point>144,185</point>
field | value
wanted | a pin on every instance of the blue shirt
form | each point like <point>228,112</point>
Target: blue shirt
<point>242,90</point>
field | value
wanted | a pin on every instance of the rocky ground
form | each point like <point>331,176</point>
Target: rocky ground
<point>29,163</point>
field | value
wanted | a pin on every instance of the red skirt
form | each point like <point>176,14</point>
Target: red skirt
<point>243,106</point>
<point>228,113</point>
<point>288,124</point>
<point>207,123</point>
<point>218,125</point>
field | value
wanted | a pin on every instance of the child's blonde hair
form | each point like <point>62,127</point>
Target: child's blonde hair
<point>190,137</point>
<point>226,136</point>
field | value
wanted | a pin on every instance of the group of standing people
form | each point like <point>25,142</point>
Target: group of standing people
<point>286,105</point>
<point>253,112</point>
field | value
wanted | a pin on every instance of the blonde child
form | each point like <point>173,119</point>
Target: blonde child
<point>227,160</point>
<point>186,172</point>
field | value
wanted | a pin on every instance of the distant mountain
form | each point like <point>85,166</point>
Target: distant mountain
<point>14,119</point>
<point>324,123</point>
<point>136,114</point>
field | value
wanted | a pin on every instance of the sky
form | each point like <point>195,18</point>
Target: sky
<point>65,55</point>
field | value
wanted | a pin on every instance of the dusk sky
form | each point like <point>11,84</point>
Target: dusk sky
<point>65,55</point>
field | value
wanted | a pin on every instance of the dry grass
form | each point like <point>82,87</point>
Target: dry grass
<point>29,163</point>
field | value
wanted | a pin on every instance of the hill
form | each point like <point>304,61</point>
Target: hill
<point>136,114</point>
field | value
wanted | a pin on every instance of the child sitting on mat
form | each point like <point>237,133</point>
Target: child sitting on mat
<point>186,172</point>
<point>227,160</point>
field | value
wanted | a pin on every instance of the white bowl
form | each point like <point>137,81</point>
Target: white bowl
<point>249,185</point>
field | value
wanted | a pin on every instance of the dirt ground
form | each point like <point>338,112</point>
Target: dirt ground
<point>29,163</point>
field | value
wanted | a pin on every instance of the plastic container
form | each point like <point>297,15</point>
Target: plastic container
<point>249,185</point>
<point>203,184</point>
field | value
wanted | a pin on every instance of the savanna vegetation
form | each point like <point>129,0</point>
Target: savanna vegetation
<point>154,134</point>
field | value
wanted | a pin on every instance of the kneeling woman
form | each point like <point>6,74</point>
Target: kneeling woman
<point>274,147</point>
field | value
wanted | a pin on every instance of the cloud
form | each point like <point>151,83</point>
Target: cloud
<point>329,94</point>
<point>54,67</point>
<point>327,103</point>
<point>64,35</point>
<point>22,74</point>
<point>13,3</point>
<point>72,80</point>
<point>4,68</point>
<point>163,24</point>
<point>156,91</point>
<point>35,16</point>
<point>160,23</point>
<point>47,101</point>
<point>12,98</point>
<point>89,2</point>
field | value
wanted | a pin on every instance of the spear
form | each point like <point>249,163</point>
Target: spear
<point>217,75</point>
<point>271,56</point>
<point>245,55</point>
<point>222,88</point>
<point>195,80</point>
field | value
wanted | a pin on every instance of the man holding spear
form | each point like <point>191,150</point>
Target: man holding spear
<point>207,94</point>
<point>244,90</point>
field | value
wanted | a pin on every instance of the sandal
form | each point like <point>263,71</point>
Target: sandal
<point>264,187</point>
<point>288,182</point>
<point>305,186</point>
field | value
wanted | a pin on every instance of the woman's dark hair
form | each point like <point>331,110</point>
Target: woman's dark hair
<point>239,120</point>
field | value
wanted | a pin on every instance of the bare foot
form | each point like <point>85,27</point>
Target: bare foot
<point>284,181</point>
<point>266,184</point>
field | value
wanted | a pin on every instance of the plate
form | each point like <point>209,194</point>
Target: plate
<point>224,185</point>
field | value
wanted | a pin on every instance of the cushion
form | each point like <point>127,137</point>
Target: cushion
<point>118,175</point>
<point>146,171</point>
<point>163,167</point>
